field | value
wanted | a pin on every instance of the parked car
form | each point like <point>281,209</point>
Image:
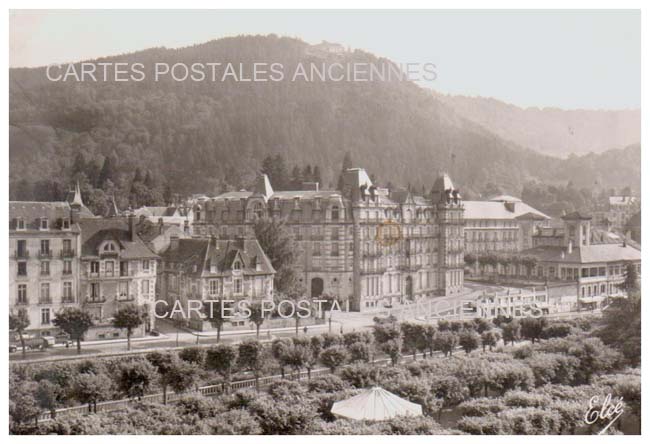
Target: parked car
<point>154,333</point>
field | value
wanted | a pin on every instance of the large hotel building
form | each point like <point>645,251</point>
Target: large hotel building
<point>368,246</point>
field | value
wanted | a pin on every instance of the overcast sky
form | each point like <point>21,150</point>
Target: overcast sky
<point>566,59</point>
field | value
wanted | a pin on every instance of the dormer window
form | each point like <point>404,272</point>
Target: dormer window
<point>109,247</point>
<point>20,224</point>
<point>65,224</point>
<point>45,224</point>
<point>296,203</point>
<point>236,265</point>
<point>335,213</point>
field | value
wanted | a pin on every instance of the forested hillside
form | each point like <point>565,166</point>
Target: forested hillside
<point>552,131</point>
<point>144,141</point>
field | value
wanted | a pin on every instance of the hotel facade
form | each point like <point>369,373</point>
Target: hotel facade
<point>367,246</point>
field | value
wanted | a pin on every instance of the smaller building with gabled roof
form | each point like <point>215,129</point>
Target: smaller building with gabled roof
<point>200,269</point>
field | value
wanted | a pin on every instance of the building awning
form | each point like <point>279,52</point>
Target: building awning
<point>375,404</point>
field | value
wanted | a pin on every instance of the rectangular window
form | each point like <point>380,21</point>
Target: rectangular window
<point>45,246</point>
<point>67,267</point>
<point>316,249</point>
<point>66,224</point>
<point>94,267</point>
<point>94,291</point>
<point>124,289</point>
<point>214,287</point>
<point>21,248</point>
<point>124,268</point>
<point>67,246</point>
<point>145,265</point>
<point>237,286</point>
<point>335,249</point>
<point>145,287</point>
<point>22,268</point>
<point>110,268</point>
<point>44,224</point>
<point>20,224</point>
<point>45,268</point>
<point>45,293</point>
<point>22,294</point>
<point>67,292</point>
<point>45,316</point>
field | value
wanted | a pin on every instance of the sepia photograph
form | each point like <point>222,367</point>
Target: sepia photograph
<point>324,222</point>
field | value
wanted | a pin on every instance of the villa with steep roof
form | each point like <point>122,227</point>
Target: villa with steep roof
<point>214,269</point>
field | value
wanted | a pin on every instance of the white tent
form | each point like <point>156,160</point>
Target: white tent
<point>375,404</point>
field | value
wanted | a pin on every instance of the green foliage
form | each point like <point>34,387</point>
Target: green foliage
<point>136,378</point>
<point>621,327</point>
<point>222,358</point>
<point>333,357</point>
<point>278,244</point>
<point>129,318</point>
<point>75,322</point>
<point>469,340</point>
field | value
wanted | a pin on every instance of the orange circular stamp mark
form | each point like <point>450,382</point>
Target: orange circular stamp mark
<point>388,233</point>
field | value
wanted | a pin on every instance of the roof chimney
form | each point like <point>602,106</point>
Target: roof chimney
<point>173,242</point>
<point>131,219</point>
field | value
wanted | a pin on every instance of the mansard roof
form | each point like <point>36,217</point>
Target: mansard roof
<point>199,255</point>
<point>95,231</point>
<point>32,212</point>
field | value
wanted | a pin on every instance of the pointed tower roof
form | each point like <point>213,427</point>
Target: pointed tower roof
<point>263,186</point>
<point>112,208</point>
<point>74,197</point>
<point>443,183</point>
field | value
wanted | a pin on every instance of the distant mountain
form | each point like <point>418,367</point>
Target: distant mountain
<point>206,137</point>
<point>551,131</point>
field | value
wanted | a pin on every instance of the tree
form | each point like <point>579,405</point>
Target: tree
<point>393,348</point>
<point>173,372</point>
<point>446,341</point>
<point>49,396</point>
<point>631,279</point>
<point>19,322</point>
<point>75,322</point>
<point>257,317</point>
<point>279,247</point>
<point>90,388</point>
<point>430,338</point>
<point>489,338</point>
<point>214,312</point>
<point>222,358</point>
<point>135,378</point>
<point>511,331</point>
<point>413,336</point>
<point>469,340</point>
<point>333,357</point>
<point>23,406</point>
<point>621,327</point>
<point>532,328</point>
<point>279,348</point>
<point>129,318</point>
<point>297,356</point>
<point>251,357</point>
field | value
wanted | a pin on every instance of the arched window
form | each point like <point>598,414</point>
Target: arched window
<point>236,265</point>
<point>258,210</point>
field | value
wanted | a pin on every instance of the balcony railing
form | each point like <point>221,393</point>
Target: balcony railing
<point>67,253</point>
<point>68,300</point>
<point>45,254</point>
<point>45,300</point>
<point>125,298</point>
<point>96,300</point>
<point>24,254</point>
<point>67,272</point>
